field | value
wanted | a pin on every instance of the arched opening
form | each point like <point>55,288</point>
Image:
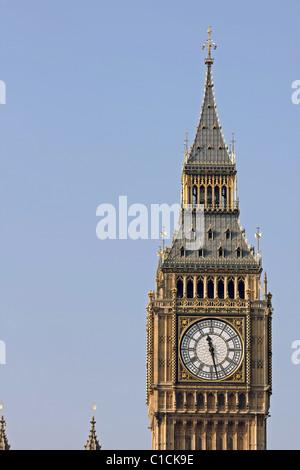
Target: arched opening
<point>190,401</point>
<point>210,401</point>
<point>200,289</point>
<point>209,195</point>
<point>224,197</point>
<point>241,287</point>
<point>221,400</point>
<point>202,195</point>
<point>182,252</point>
<point>221,289</point>
<point>179,400</point>
<point>217,195</point>
<point>231,289</point>
<point>242,402</point>
<point>210,289</point>
<point>231,402</point>
<point>200,400</point>
<point>179,288</point>
<point>190,289</point>
<point>195,195</point>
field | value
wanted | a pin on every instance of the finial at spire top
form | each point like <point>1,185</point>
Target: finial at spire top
<point>209,44</point>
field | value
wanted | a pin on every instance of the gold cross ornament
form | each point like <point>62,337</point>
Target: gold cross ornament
<point>209,43</point>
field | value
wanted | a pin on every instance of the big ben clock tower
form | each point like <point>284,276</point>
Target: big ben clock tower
<point>209,369</point>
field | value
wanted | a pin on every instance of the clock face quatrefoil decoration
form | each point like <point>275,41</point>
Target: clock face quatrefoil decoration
<point>211,349</point>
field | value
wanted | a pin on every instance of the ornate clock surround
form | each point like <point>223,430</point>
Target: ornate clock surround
<point>182,375</point>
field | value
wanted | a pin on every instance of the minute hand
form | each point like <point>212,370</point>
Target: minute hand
<point>212,352</point>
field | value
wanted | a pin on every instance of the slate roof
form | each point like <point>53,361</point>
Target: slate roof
<point>219,223</point>
<point>209,145</point>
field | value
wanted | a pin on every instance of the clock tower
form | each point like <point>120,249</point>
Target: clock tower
<point>209,368</point>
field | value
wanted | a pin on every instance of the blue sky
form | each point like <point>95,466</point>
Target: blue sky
<point>99,97</point>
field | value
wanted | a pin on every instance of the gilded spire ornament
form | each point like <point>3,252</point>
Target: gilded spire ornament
<point>209,44</point>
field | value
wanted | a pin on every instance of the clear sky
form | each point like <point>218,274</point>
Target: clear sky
<point>99,97</point>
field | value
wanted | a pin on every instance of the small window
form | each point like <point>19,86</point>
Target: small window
<point>200,399</point>
<point>210,289</point>
<point>224,197</point>
<point>209,195</point>
<point>221,252</point>
<point>238,253</point>
<point>182,252</point>
<point>179,288</point>
<point>217,195</point>
<point>221,399</point>
<point>200,289</point>
<point>190,289</point>
<point>231,289</point>
<point>179,399</point>
<point>242,402</point>
<point>241,288</point>
<point>195,195</point>
<point>200,253</point>
<point>221,289</point>
<point>210,234</point>
<point>228,234</point>
<point>202,195</point>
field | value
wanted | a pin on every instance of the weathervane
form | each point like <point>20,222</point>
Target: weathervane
<point>209,44</point>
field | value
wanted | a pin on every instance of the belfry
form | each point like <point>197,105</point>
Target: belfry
<point>209,319</point>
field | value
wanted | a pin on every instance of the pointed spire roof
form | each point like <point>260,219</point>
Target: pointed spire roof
<point>209,145</point>
<point>3,439</point>
<point>92,443</point>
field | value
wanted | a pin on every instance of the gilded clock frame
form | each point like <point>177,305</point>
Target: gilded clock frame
<point>240,325</point>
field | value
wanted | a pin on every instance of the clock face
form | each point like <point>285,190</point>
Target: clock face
<point>211,349</point>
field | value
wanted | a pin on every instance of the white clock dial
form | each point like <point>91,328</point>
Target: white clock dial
<point>211,349</point>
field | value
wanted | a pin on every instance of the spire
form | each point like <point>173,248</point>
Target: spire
<point>3,439</point>
<point>92,443</point>
<point>209,146</point>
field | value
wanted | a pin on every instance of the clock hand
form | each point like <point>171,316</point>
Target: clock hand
<point>212,352</point>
